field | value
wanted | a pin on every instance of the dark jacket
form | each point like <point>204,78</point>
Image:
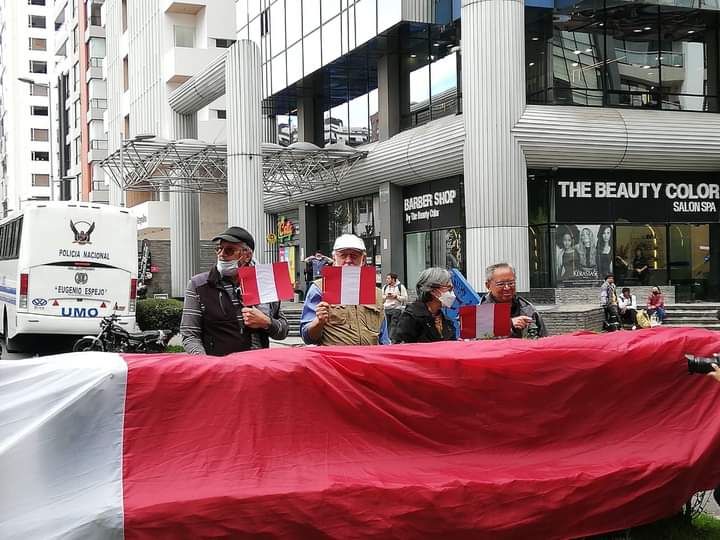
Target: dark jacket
<point>417,325</point>
<point>212,319</point>
<point>521,306</point>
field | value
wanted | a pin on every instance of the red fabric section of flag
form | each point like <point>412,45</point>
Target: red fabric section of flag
<point>501,320</point>
<point>284,287</point>
<point>414,441</point>
<point>332,283</point>
<point>248,285</point>
<point>367,285</point>
<point>468,322</point>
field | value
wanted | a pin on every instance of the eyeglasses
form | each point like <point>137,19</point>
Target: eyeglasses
<point>229,251</point>
<point>505,284</point>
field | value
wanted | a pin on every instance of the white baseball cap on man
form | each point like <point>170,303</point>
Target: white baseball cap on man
<point>349,241</point>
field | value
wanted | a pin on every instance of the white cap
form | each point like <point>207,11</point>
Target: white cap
<point>349,241</point>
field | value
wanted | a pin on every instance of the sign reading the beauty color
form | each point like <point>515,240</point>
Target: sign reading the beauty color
<point>637,201</point>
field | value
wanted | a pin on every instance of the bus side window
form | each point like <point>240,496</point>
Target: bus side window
<point>18,236</point>
<point>11,240</point>
<point>3,237</point>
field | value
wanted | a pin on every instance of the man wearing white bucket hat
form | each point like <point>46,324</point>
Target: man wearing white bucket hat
<point>326,324</point>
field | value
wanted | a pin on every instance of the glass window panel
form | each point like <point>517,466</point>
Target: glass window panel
<point>279,81</point>
<point>374,118</point>
<point>312,52</point>
<point>344,23</point>
<point>254,8</point>
<point>184,36</point>
<point>358,121</point>
<point>418,256</point>
<point>351,27</point>
<point>443,86</point>
<point>635,244</point>
<point>336,124</point>
<point>295,63</point>
<point>286,129</point>
<point>365,21</point>
<point>294,21</point>
<point>311,15</point>
<point>277,27</point>
<point>331,40</point>
<point>689,60</point>
<point>340,218</point>
<point>330,8</point>
<point>420,87</point>
<point>389,13</point>
<point>255,30</point>
<point>363,223</point>
<point>633,55</point>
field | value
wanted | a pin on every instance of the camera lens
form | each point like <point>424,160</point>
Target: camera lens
<point>698,364</point>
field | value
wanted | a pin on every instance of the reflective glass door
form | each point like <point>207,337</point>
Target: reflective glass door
<point>690,269</point>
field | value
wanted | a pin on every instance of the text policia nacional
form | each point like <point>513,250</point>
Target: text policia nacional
<point>686,197</point>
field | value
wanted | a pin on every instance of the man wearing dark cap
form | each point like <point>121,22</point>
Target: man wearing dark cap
<point>214,320</point>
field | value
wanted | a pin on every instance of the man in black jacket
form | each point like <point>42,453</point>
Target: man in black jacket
<point>524,318</point>
<point>214,320</point>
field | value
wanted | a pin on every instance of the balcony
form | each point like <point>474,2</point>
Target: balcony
<point>95,68</point>
<point>98,150</point>
<point>181,63</point>
<point>183,7</point>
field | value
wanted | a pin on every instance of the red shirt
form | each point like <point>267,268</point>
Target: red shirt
<point>656,300</point>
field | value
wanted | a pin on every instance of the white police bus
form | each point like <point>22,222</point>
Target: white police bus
<point>64,266</point>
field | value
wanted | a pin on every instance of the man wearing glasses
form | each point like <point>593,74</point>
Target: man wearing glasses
<point>500,283</point>
<point>214,320</point>
<point>325,324</point>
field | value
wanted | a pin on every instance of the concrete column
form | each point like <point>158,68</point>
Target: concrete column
<point>184,219</point>
<point>494,165</point>
<point>307,216</point>
<point>309,113</point>
<point>244,132</point>
<point>388,71</point>
<point>392,241</point>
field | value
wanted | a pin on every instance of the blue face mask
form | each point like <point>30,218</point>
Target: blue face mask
<point>227,268</point>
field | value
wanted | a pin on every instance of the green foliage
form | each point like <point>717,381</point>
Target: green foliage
<point>155,314</point>
<point>703,527</point>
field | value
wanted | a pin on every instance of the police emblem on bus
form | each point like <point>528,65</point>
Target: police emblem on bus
<point>39,302</point>
<point>82,231</point>
<point>81,278</point>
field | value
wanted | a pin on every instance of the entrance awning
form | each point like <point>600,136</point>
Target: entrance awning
<point>194,166</point>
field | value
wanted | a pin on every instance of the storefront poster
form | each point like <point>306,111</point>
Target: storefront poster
<point>583,254</point>
<point>646,202</point>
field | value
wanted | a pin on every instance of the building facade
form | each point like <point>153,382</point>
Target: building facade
<point>572,139</point>
<point>26,151</point>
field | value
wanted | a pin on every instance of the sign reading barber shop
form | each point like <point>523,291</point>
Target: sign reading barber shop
<point>433,205</point>
<point>607,201</point>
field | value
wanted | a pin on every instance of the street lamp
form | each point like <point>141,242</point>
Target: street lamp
<point>31,82</point>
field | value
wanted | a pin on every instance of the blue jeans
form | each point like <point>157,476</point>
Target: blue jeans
<point>660,312</point>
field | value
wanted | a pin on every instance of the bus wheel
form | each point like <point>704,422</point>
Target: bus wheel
<point>88,344</point>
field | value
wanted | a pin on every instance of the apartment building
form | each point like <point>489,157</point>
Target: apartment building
<point>26,149</point>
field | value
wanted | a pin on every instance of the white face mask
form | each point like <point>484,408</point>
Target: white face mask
<point>447,299</point>
<point>227,268</point>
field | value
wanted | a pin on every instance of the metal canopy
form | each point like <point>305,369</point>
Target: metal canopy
<point>194,166</point>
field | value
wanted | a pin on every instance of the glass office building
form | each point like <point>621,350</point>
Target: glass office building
<point>372,72</point>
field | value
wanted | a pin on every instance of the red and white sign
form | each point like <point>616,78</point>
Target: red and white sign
<point>485,320</point>
<point>349,285</point>
<point>265,283</point>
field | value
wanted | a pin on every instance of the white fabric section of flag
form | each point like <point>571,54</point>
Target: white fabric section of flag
<point>61,428</point>
<point>485,320</point>
<point>266,283</point>
<point>350,285</point>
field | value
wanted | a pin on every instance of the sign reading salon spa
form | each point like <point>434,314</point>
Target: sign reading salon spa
<point>647,202</point>
<point>433,205</point>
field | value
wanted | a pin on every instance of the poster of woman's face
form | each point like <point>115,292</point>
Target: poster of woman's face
<point>583,254</point>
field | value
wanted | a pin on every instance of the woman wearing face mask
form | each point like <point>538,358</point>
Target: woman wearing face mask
<point>656,304</point>
<point>423,321</point>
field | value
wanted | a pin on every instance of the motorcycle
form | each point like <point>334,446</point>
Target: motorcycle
<point>114,338</point>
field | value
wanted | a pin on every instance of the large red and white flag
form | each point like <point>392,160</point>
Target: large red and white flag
<point>403,439</point>
<point>485,320</point>
<point>349,285</point>
<point>265,283</point>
